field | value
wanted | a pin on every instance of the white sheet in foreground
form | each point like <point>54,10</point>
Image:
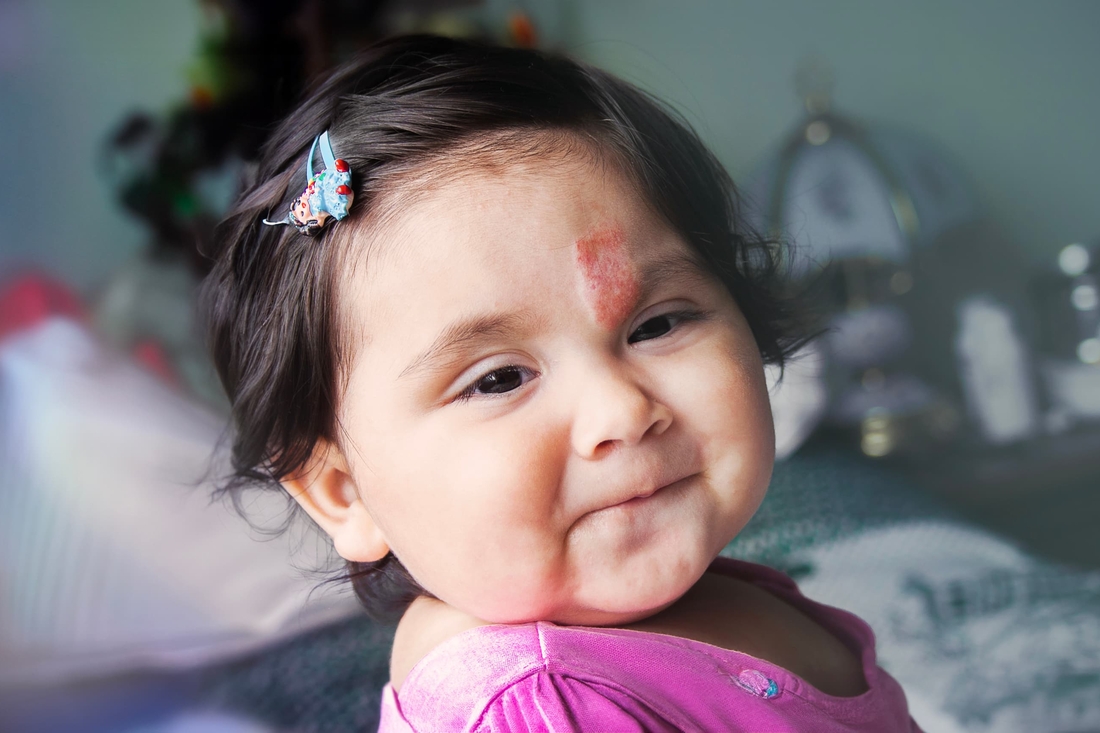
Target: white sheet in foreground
<point>981,636</point>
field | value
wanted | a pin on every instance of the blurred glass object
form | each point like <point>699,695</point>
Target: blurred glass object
<point>860,207</point>
<point>1074,259</point>
<point>839,190</point>
<point>995,367</point>
<point>1067,297</point>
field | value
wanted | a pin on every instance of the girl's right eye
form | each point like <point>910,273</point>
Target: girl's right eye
<point>498,381</point>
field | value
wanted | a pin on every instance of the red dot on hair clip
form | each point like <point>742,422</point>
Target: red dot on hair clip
<point>343,190</point>
<point>342,165</point>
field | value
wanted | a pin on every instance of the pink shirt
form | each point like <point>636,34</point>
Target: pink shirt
<point>544,677</point>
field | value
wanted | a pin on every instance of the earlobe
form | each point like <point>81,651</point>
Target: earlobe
<point>328,494</point>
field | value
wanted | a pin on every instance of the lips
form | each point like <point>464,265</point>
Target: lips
<point>630,477</point>
<point>641,496</point>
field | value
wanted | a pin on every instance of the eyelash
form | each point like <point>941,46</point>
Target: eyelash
<point>677,317</point>
<point>470,391</point>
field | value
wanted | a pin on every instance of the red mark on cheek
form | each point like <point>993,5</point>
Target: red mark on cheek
<point>610,284</point>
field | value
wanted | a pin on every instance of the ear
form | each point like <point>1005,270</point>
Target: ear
<point>327,492</point>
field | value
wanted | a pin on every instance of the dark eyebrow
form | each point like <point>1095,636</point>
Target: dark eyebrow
<point>681,266</point>
<point>466,332</point>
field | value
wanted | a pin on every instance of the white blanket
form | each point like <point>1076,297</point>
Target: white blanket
<point>982,637</point>
<point>112,556</point>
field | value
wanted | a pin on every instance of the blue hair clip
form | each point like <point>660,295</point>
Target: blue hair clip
<point>327,194</point>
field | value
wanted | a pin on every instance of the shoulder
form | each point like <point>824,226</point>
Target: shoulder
<point>544,677</point>
<point>426,624</point>
<point>548,701</point>
<point>536,676</point>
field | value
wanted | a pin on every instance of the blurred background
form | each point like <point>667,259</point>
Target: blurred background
<point>933,165</point>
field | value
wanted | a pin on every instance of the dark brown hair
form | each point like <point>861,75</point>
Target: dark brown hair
<point>407,104</point>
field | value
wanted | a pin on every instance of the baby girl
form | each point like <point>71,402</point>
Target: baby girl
<point>514,369</point>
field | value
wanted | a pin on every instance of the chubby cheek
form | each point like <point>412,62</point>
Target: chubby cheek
<point>731,414</point>
<point>477,524</point>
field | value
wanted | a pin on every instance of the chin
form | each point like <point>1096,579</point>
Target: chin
<point>619,616</point>
<point>636,593</point>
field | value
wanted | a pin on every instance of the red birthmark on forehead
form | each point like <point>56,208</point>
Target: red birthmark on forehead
<point>609,281</point>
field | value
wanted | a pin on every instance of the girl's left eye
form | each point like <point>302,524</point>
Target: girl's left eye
<point>498,381</point>
<point>660,325</point>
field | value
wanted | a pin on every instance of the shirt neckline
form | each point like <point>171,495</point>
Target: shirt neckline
<point>849,629</point>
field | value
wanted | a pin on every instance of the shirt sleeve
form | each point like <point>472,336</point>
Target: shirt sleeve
<point>553,703</point>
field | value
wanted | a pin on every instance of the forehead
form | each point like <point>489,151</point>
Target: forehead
<point>504,238</point>
<point>504,209</point>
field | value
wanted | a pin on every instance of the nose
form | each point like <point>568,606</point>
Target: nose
<point>614,410</point>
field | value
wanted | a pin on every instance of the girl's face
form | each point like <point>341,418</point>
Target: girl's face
<point>553,413</point>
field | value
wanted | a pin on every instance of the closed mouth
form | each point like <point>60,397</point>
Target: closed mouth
<point>642,497</point>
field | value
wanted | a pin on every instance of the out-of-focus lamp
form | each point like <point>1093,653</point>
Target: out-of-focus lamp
<point>857,203</point>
